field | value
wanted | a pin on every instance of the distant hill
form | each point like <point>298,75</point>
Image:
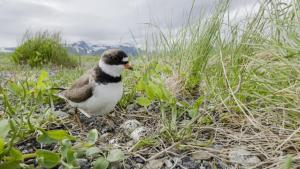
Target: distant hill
<point>85,48</point>
<point>7,49</point>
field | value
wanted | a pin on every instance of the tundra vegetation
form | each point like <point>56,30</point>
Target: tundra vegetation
<point>216,93</point>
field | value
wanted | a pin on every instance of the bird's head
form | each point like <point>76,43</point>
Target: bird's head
<point>114,61</point>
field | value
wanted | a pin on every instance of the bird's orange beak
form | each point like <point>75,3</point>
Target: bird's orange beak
<point>128,66</point>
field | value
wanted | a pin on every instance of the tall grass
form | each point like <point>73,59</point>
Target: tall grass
<point>42,48</point>
<point>250,68</point>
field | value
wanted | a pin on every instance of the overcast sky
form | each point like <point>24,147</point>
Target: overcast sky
<point>98,21</point>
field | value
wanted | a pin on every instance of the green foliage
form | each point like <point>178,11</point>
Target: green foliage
<point>40,49</point>
<point>287,162</point>
<point>145,142</point>
<point>115,155</point>
<point>47,158</point>
<point>100,163</point>
<point>143,101</point>
<point>10,165</point>
<point>22,101</point>
<point>4,128</point>
<point>247,71</point>
<point>92,136</point>
<point>52,136</point>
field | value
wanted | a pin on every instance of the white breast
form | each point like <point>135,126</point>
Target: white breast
<point>104,99</point>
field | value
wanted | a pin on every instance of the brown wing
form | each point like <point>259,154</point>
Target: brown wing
<point>81,89</point>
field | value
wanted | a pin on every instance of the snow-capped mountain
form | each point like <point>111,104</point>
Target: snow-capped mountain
<point>84,48</point>
<point>7,49</point>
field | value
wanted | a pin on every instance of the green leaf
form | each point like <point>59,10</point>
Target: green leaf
<point>150,90</point>
<point>143,101</point>
<point>59,135</point>
<point>1,145</point>
<point>68,153</point>
<point>16,154</point>
<point>40,82</point>
<point>4,128</point>
<point>288,162</point>
<point>100,163</point>
<point>206,120</point>
<point>193,113</point>
<point>45,139</point>
<point>47,158</point>
<point>53,136</point>
<point>92,151</point>
<point>115,155</point>
<point>198,103</point>
<point>70,157</point>
<point>10,165</point>
<point>92,136</point>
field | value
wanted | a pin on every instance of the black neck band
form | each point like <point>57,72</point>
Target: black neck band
<point>104,78</point>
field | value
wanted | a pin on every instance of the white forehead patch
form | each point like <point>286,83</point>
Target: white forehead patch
<point>125,59</point>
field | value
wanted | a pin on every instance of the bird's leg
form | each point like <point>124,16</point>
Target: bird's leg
<point>77,119</point>
<point>109,121</point>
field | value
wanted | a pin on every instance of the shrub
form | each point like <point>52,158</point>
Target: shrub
<point>42,48</point>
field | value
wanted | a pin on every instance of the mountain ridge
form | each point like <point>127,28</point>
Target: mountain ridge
<point>86,48</point>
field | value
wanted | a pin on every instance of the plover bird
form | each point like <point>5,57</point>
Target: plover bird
<point>98,91</point>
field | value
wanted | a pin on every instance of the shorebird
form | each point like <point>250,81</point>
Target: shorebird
<point>98,91</point>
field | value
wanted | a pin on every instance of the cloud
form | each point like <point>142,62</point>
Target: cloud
<point>97,20</point>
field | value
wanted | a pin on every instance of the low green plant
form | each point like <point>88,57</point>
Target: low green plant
<point>42,48</point>
<point>24,118</point>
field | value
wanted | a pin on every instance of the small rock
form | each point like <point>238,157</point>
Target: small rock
<point>154,164</point>
<point>253,160</point>
<point>130,125</point>
<point>104,137</point>
<point>138,133</point>
<point>201,155</point>
<point>176,160</point>
<point>188,162</point>
<point>202,167</point>
<point>115,165</point>
<point>82,162</point>
<point>139,160</point>
<point>113,141</point>
<point>168,163</point>
<point>25,151</point>
<point>242,156</point>
<point>218,146</point>
<point>141,109</point>
<point>130,107</point>
<point>60,114</point>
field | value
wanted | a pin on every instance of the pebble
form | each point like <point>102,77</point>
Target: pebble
<point>188,162</point>
<point>141,109</point>
<point>139,160</point>
<point>60,114</point>
<point>154,164</point>
<point>168,163</point>
<point>242,156</point>
<point>82,162</point>
<point>130,107</point>
<point>138,133</point>
<point>201,155</point>
<point>130,125</point>
<point>113,141</point>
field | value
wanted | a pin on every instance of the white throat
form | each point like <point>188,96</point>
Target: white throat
<point>112,70</point>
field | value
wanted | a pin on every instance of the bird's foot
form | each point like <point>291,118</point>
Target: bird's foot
<point>77,120</point>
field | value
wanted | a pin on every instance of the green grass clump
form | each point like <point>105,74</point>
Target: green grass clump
<point>42,48</point>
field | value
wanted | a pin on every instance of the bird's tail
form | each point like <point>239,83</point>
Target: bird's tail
<point>59,93</point>
<point>58,88</point>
